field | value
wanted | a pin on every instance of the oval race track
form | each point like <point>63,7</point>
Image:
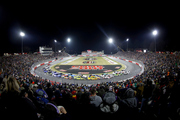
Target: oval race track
<point>133,68</point>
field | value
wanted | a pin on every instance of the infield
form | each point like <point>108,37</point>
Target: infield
<point>97,61</point>
<point>98,65</point>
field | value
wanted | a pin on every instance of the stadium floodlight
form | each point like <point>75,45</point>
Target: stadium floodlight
<point>155,33</point>
<point>68,40</point>
<point>110,40</point>
<point>55,41</point>
<point>22,35</point>
<point>127,43</point>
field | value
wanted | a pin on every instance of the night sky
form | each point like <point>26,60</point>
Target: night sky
<point>89,25</point>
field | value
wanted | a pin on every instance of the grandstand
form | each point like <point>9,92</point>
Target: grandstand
<point>151,95</point>
<point>45,50</point>
<point>92,53</point>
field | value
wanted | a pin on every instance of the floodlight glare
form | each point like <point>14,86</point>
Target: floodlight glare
<point>144,51</point>
<point>69,40</point>
<point>154,32</point>
<point>110,40</point>
<point>22,34</point>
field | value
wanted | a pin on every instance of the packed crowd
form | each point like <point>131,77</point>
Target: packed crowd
<point>154,93</point>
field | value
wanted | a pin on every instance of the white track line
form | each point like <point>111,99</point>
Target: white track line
<point>110,61</point>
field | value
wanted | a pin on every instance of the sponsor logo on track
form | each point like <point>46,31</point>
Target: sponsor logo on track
<point>62,70</point>
<point>89,62</point>
<point>83,72</point>
<point>57,67</point>
<point>87,67</point>
<point>117,67</point>
<point>107,71</point>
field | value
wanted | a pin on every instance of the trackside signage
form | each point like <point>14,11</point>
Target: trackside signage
<point>87,67</point>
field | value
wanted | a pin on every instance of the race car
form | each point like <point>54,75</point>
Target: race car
<point>47,67</point>
<point>103,75</point>
<point>79,78</point>
<point>45,71</point>
<point>126,72</point>
<point>84,76</point>
<point>68,76</point>
<point>49,72</point>
<point>71,75</point>
<point>122,71</point>
<point>55,74</point>
<point>116,74</point>
<point>93,77</point>
<point>107,76</point>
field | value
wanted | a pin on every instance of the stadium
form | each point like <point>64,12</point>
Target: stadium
<point>77,61</point>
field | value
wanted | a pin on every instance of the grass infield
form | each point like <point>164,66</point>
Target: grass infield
<point>80,60</point>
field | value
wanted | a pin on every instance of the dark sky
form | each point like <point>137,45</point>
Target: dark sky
<point>89,25</point>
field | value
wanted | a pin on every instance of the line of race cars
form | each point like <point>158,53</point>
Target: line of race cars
<point>70,76</point>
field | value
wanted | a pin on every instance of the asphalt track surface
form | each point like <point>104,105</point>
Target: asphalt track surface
<point>133,68</point>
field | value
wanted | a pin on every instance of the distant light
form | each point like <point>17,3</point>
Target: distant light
<point>154,32</point>
<point>110,40</point>
<point>55,41</point>
<point>22,34</point>
<point>69,40</point>
<point>144,51</point>
<point>127,39</point>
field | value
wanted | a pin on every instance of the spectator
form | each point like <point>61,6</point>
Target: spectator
<point>129,100</point>
<point>41,92</point>
<point>12,101</point>
<point>94,99</point>
<point>147,93</point>
<point>4,82</point>
<point>109,104</point>
<point>101,92</point>
<point>41,98</point>
<point>58,96</point>
<point>79,94</point>
<point>85,97</point>
<point>49,91</point>
<point>52,112</point>
<point>128,104</point>
<point>31,112</point>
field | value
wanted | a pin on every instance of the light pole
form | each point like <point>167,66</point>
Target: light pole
<point>55,41</point>
<point>110,41</point>
<point>22,35</point>
<point>127,43</point>
<point>68,40</point>
<point>155,33</point>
